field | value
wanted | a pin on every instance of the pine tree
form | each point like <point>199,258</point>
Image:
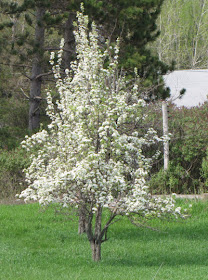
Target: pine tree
<point>39,16</point>
<point>134,21</point>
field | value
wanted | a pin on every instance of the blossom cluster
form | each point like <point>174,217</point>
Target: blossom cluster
<point>91,152</point>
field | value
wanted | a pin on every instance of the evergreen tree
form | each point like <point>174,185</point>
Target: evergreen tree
<point>134,21</point>
<point>28,44</point>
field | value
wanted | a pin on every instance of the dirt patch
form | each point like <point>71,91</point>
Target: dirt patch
<point>11,200</point>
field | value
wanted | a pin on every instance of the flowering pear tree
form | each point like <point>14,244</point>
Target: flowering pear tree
<point>91,156</point>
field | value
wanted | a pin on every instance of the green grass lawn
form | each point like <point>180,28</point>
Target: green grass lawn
<point>41,245</point>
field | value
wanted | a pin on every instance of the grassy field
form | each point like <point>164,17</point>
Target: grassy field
<point>41,245</point>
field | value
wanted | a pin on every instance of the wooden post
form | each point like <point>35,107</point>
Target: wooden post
<point>165,134</point>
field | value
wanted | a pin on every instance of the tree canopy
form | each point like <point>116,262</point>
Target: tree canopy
<point>33,28</point>
<point>91,154</point>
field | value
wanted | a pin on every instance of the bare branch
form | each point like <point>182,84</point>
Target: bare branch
<point>58,49</point>
<point>108,224</point>
<point>16,65</point>
<point>26,76</point>
<point>34,98</point>
<point>144,225</point>
<point>25,94</point>
<point>44,74</point>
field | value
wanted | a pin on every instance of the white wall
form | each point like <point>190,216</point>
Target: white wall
<point>194,81</point>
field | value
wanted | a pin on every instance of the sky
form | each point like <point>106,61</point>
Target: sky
<point>194,81</point>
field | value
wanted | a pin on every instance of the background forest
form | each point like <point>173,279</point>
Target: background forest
<point>156,37</point>
<point>183,33</point>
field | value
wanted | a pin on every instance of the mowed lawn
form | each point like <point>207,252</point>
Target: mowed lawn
<point>36,244</point>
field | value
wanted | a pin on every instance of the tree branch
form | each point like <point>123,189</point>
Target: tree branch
<point>25,94</point>
<point>16,65</point>
<point>58,49</point>
<point>144,225</point>
<point>43,75</point>
<point>108,224</point>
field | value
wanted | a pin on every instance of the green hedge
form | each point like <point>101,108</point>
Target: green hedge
<point>12,179</point>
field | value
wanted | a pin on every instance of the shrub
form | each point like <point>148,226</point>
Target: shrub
<point>13,122</point>
<point>174,180</point>
<point>204,169</point>
<point>188,143</point>
<point>12,179</point>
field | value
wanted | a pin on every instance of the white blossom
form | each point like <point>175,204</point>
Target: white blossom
<point>88,154</point>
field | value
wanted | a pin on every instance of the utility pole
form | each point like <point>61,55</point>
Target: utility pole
<point>165,134</point>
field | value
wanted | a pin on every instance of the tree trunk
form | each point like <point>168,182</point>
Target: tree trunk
<point>82,221</point>
<point>69,41</point>
<point>36,81</point>
<point>96,250</point>
<point>96,241</point>
<point>82,224</point>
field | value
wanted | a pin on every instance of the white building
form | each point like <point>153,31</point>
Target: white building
<point>194,81</point>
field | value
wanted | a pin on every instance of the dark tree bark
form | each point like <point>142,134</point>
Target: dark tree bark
<point>96,250</point>
<point>96,242</point>
<point>82,221</point>
<point>69,41</point>
<point>36,80</point>
<point>95,238</point>
<point>93,228</point>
